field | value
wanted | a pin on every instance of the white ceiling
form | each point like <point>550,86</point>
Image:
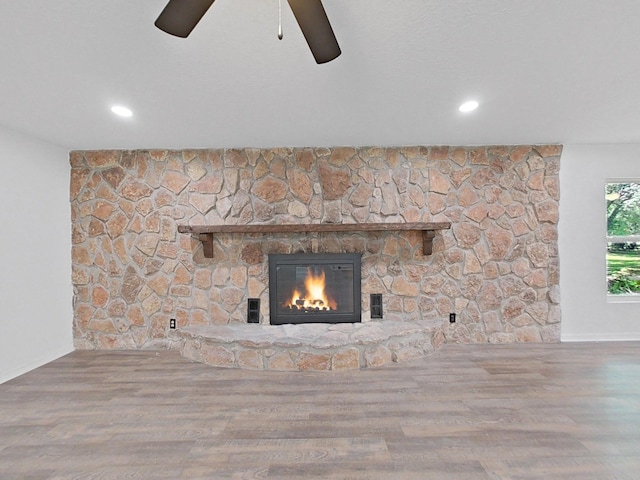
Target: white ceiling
<point>544,71</point>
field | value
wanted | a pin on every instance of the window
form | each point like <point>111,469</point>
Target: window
<point>623,240</point>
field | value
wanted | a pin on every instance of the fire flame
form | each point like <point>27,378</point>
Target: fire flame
<point>314,296</point>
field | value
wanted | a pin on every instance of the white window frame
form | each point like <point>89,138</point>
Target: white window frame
<point>621,297</point>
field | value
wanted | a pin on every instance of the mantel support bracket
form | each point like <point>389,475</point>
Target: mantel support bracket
<point>207,244</point>
<point>427,241</point>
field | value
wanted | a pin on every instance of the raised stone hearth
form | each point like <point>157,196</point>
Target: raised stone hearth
<point>317,346</point>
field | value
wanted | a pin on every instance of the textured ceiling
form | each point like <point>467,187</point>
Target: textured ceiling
<point>544,71</point>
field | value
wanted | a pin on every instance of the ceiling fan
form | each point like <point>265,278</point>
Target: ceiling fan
<point>180,17</point>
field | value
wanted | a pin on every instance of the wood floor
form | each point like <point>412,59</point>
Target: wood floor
<point>569,411</point>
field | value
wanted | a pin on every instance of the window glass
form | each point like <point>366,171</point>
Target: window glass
<point>623,238</point>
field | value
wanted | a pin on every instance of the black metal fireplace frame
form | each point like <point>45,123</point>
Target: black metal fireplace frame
<point>297,259</point>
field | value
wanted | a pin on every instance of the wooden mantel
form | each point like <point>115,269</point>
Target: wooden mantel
<point>205,232</point>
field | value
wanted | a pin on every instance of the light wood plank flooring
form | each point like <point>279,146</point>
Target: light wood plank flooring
<point>467,412</point>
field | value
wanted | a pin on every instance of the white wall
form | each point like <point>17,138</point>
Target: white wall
<point>586,315</point>
<point>35,254</point>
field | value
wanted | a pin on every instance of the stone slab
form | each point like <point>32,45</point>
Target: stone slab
<point>216,345</point>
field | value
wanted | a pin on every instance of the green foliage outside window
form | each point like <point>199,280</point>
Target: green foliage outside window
<point>623,209</point>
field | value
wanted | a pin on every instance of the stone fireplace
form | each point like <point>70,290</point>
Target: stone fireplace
<point>314,288</point>
<point>496,268</point>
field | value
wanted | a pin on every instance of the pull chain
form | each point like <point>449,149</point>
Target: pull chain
<point>280,20</point>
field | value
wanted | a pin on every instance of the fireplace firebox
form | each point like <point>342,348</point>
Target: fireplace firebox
<point>314,288</point>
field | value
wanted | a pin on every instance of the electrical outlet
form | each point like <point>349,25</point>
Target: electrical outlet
<point>172,323</point>
<point>452,318</point>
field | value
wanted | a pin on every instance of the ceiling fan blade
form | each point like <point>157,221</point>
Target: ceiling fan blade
<point>316,29</point>
<point>180,17</point>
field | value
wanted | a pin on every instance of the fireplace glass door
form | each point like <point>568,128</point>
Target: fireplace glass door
<point>314,288</point>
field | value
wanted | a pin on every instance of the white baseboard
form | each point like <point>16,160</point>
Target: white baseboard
<point>601,337</point>
<point>35,363</point>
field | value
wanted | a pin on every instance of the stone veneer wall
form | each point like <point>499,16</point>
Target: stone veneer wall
<point>497,268</point>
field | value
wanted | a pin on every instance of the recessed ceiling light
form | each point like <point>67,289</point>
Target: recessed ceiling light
<point>469,106</point>
<point>121,111</point>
